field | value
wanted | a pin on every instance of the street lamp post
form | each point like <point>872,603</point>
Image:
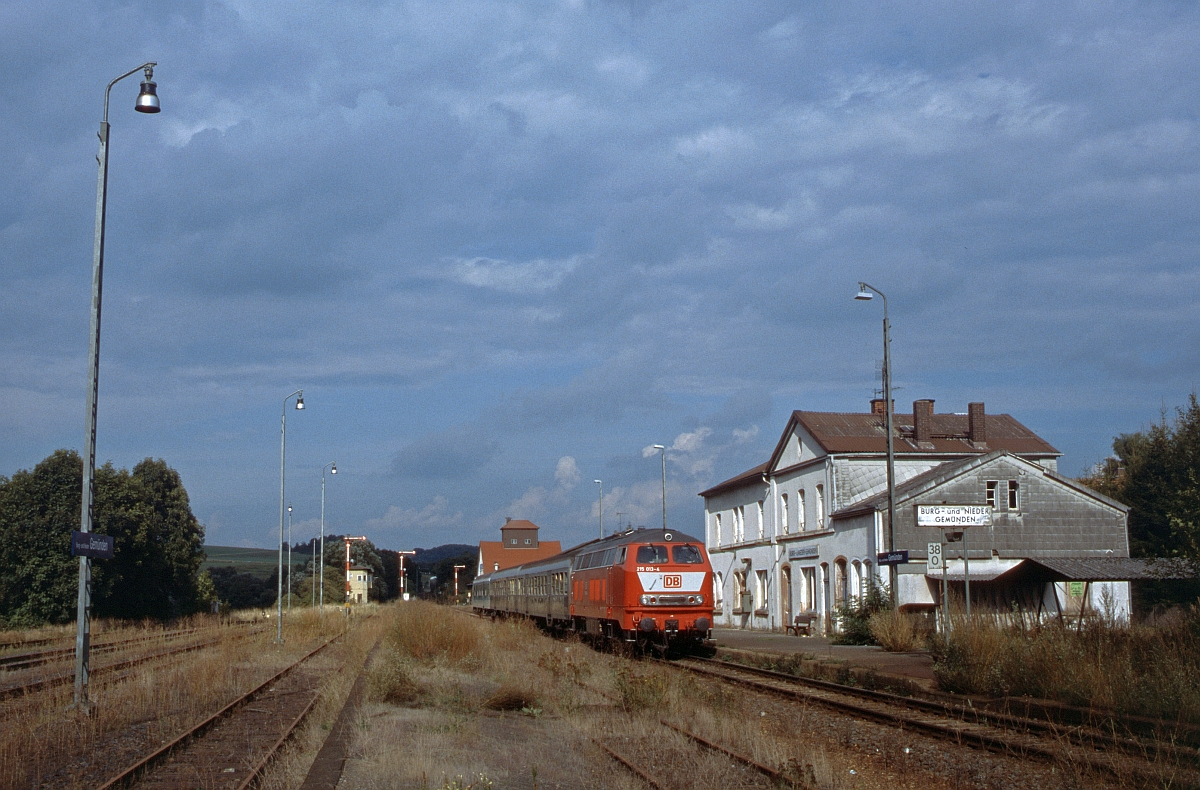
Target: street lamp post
<point>299,395</point>
<point>147,102</point>
<point>332,467</point>
<point>289,558</point>
<point>663,451</point>
<point>601,484</point>
<point>864,295</point>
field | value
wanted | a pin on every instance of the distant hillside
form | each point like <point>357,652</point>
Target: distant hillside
<point>257,562</point>
<point>439,553</point>
<point>261,562</point>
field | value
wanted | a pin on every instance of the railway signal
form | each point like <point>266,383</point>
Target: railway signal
<point>403,577</point>
<point>456,569</point>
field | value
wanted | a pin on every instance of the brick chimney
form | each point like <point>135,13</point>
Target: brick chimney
<point>877,406</point>
<point>976,424</point>
<point>922,421</point>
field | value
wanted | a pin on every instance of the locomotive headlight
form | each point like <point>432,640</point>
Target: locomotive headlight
<point>649,600</point>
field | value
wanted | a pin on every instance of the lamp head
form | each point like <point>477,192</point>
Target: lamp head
<point>863,294</point>
<point>598,482</point>
<point>333,469</point>
<point>289,508</point>
<point>300,403</point>
<point>147,100</point>
<point>659,447</point>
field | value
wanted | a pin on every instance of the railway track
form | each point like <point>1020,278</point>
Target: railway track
<point>978,727</point>
<point>232,747</point>
<point>107,671</point>
<point>771,775</point>
<point>18,661</point>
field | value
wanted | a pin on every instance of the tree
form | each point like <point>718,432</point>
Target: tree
<point>158,543</point>
<point>1157,473</point>
<point>362,552</point>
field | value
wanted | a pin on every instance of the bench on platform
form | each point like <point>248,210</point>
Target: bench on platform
<point>802,624</point>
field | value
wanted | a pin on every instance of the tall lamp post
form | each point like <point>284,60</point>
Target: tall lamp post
<point>147,102</point>
<point>299,395</point>
<point>864,295</point>
<point>601,484</point>
<point>663,451</point>
<point>332,467</point>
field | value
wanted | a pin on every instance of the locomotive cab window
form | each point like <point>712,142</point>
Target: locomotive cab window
<point>651,554</point>
<point>686,555</point>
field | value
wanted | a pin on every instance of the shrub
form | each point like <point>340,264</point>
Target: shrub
<point>426,631</point>
<point>391,682</point>
<point>639,692</point>
<point>853,616</point>
<point>894,631</point>
<point>1148,670</point>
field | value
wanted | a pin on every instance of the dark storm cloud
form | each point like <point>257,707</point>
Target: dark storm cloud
<point>573,229</point>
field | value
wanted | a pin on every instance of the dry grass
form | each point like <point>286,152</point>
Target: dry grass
<point>1147,669</point>
<point>895,631</point>
<point>522,710</point>
<point>153,703</point>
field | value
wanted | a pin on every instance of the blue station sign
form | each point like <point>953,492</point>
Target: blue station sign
<point>89,544</point>
<point>893,557</point>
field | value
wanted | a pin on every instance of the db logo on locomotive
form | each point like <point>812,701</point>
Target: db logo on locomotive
<point>672,581</point>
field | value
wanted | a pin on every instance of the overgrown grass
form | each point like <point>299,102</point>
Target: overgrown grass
<point>424,631</point>
<point>895,632</point>
<point>1150,669</point>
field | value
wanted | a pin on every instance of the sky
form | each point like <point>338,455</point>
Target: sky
<point>506,247</point>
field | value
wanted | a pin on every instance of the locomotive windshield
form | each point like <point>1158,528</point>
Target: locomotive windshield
<point>652,554</point>
<point>686,555</point>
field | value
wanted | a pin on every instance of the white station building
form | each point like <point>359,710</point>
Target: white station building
<point>802,532</point>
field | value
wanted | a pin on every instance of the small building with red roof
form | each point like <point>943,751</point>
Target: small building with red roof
<point>518,544</point>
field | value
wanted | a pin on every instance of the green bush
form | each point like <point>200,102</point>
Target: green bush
<point>853,618</point>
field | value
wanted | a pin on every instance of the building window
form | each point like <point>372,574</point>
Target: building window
<point>526,541</point>
<point>760,592</point>
<point>739,524</point>
<point>762,527</point>
<point>1014,495</point>
<point>990,496</point>
<point>513,541</point>
<point>740,598</point>
<point>718,592</point>
<point>783,514</point>
<point>820,507</point>
<point>800,510</point>
<point>808,589</point>
<point>717,528</point>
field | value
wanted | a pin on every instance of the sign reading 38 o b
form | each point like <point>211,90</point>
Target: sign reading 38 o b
<point>954,516</point>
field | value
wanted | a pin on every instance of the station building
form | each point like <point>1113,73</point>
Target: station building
<point>802,532</point>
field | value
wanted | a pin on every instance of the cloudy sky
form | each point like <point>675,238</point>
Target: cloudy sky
<point>506,246</point>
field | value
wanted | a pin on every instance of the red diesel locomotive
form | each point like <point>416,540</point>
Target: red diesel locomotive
<point>646,588</point>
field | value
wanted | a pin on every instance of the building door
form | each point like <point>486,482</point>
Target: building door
<point>785,594</point>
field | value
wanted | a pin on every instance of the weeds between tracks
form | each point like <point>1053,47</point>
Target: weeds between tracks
<point>48,745</point>
<point>459,702</point>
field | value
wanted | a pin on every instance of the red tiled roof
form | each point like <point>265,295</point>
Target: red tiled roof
<point>493,552</point>
<point>839,432</point>
<point>851,432</point>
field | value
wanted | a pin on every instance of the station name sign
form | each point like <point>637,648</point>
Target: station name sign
<point>893,558</point>
<point>954,516</point>
<point>803,552</point>
<point>89,544</point>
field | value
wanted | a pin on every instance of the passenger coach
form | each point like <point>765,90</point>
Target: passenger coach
<point>645,588</point>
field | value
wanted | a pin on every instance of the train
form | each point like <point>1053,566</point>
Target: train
<point>645,590</point>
